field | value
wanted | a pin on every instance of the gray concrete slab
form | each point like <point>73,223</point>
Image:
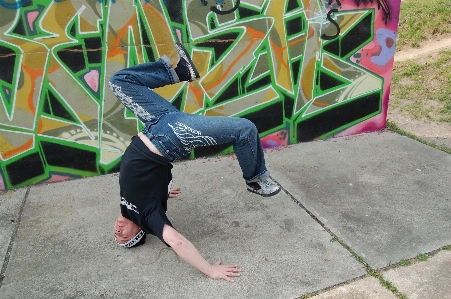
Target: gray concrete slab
<point>430,279</point>
<point>10,203</point>
<point>367,288</point>
<point>65,248</point>
<point>385,195</point>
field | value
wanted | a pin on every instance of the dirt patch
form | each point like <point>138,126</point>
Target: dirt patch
<point>435,132</point>
<point>428,48</point>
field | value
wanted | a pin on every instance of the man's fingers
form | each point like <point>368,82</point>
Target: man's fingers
<point>227,271</point>
<point>174,192</point>
<point>228,279</point>
<point>234,270</point>
<point>229,274</point>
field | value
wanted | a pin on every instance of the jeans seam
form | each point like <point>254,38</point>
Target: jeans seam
<point>252,151</point>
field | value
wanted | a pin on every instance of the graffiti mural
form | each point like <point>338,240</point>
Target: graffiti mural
<point>301,70</point>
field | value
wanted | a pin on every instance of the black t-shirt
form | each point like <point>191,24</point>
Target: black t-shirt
<point>144,179</point>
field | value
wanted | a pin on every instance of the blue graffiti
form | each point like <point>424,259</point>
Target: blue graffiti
<point>15,5</point>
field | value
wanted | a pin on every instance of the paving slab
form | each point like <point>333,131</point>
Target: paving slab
<point>383,194</point>
<point>10,203</point>
<point>65,248</point>
<point>366,288</point>
<point>429,279</point>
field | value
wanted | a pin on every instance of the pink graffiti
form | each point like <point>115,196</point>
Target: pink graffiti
<point>31,17</point>
<point>58,178</point>
<point>276,139</point>
<point>92,79</point>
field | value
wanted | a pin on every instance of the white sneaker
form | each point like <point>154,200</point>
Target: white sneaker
<point>264,188</point>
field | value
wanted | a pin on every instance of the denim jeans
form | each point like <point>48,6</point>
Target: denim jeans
<point>175,134</point>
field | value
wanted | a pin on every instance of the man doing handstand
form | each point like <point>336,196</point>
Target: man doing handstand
<point>168,135</point>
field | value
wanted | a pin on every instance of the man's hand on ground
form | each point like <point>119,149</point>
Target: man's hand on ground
<point>219,271</point>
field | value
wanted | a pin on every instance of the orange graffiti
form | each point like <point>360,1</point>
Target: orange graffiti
<point>255,35</point>
<point>19,149</point>
<point>33,74</point>
<point>116,50</point>
<point>198,92</point>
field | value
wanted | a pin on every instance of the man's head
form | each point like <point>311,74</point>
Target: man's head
<point>127,233</point>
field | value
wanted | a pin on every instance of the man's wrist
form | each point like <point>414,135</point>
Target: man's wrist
<point>209,271</point>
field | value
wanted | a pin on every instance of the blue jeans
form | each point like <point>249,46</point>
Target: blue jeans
<point>175,134</point>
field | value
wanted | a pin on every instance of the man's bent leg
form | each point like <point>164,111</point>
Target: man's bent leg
<point>187,132</point>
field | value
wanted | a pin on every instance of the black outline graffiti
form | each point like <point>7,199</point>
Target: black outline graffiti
<point>327,37</point>
<point>219,12</point>
<point>381,4</point>
<point>329,17</point>
<point>338,2</point>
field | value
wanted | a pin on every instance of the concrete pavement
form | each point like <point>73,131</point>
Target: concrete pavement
<point>353,211</point>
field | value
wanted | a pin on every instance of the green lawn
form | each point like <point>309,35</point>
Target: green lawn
<point>422,88</point>
<point>423,20</point>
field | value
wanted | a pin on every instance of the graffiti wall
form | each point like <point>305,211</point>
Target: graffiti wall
<point>301,70</point>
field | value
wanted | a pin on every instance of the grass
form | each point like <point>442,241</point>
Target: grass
<point>405,263</point>
<point>422,257</point>
<point>419,258</point>
<point>422,20</point>
<point>422,88</point>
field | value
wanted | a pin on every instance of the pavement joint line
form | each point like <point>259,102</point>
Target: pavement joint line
<point>13,237</point>
<point>308,295</point>
<point>414,260</point>
<point>370,271</point>
<point>395,128</point>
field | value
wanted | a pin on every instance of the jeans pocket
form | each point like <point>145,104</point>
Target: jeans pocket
<point>172,149</point>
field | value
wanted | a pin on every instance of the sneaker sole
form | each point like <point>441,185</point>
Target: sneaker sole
<point>184,54</point>
<point>265,195</point>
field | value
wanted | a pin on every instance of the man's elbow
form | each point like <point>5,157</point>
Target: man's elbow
<point>177,243</point>
<point>174,239</point>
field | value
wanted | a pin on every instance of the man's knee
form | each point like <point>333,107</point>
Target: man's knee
<point>116,78</point>
<point>248,126</point>
<point>112,84</point>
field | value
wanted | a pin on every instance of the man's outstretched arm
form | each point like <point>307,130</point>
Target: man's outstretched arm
<point>186,250</point>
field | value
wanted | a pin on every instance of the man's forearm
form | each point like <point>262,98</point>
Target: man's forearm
<point>186,250</point>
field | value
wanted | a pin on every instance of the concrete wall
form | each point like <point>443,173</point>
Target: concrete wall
<point>301,70</point>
